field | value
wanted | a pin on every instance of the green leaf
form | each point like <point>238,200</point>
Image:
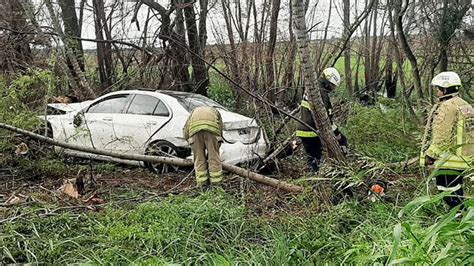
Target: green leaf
<point>444,253</point>
<point>397,232</point>
<point>434,229</point>
<point>421,201</point>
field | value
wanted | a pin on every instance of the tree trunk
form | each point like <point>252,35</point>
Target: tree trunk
<point>158,159</point>
<point>269,64</point>
<point>347,50</point>
<point>104,50</point>
<point>390,77</point>
<point>199,74</point>
<point>399,12</point>
<point>16,52</point>
<point>177,48</point>
<point>76,69</point>
<point>72,29</point>
<point>399,61</point>
<point>452,16</point>
<point>203,4</point>
<point>319,113</point>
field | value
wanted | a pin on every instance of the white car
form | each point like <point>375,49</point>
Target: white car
<point>149,122</point>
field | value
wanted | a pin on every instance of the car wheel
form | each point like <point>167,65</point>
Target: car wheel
<point>162,148</point>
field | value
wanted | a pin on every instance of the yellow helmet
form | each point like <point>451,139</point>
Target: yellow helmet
<point>446,80</point>
<point>331,75</point>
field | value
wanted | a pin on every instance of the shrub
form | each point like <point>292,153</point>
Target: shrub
<point>383,132</point>
<point>220,91</point>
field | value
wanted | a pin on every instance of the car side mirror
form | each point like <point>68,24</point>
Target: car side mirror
<point>77,120</point>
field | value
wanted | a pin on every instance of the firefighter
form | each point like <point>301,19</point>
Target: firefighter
<point>451,137</point>
<point>203,131</point>
<point>329,80</point>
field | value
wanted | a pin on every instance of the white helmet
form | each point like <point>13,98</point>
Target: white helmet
<point>331,75</point>
<point>446,79</point>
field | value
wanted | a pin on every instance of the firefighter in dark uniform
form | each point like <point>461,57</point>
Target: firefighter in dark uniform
<point>329,80</point>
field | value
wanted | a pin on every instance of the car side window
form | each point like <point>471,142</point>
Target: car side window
<point>114,104</point>
<point>161,110</point>
<point>142,105</point>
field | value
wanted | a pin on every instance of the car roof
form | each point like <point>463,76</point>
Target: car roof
<point>181,94</point>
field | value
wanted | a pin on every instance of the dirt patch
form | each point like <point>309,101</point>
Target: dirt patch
<point>125,187</point>
<point>130,186</point>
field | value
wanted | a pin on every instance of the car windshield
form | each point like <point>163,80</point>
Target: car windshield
<point>190,100</point>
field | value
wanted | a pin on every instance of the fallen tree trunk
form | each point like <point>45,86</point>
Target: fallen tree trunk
<point>158,159</point>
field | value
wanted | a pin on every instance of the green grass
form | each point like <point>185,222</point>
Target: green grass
<point>385,133</point>
<point>213,228</point>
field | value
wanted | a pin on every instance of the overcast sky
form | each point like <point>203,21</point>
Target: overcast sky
<point>124,29</point>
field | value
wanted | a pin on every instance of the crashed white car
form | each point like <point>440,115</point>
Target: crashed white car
<point>149,122</point>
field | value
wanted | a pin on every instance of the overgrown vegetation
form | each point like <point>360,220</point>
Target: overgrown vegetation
<point>213,228</point>
<point>383,131</point>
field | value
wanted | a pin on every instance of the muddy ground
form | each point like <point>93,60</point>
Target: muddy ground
<point>125,187</point>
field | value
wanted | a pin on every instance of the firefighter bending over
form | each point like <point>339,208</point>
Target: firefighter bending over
<point>203,131</point>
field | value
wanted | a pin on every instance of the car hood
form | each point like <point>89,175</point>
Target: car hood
<point>234,121</point>
<point>69,107</point>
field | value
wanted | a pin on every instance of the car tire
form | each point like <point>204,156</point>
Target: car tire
<point>162,148</point>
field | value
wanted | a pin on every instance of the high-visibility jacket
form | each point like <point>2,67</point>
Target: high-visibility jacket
<point>305,114</point>
<point>452,141</point>
<point>203,118</point>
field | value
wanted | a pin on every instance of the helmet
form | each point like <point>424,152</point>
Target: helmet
<point>331,75</point>
<point>446,79</point>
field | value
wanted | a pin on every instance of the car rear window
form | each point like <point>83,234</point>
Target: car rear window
<point>161,110</point>
<point>193,101</point>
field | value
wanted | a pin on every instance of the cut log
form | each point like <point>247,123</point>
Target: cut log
<point>158,159</point>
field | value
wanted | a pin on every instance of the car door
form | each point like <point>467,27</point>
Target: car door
<point>99,120</point>
<point>145,115</point>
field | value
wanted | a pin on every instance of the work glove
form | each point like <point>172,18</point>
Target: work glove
<point>342,140</point>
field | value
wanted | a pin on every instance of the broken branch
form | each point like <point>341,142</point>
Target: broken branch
<point>158,159</point>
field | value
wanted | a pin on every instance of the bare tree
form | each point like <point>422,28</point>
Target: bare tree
<point>15,52</point>
<point>400,10</point>
<point>447,19</point>
<point>270,72</point>
<point>104,49</point>
<point>76,69</point>
<point>347,49</point>
<point>319,114</point>
<point>72,31</point>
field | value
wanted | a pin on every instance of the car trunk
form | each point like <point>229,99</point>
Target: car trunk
<point>238,128</point>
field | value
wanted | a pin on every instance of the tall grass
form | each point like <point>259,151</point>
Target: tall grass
<point>383,132</point>
<point>213,228</point>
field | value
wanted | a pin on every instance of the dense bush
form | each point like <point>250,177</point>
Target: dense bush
<point>220,91</point>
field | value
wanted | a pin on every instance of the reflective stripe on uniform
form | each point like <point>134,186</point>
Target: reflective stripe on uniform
<point>210,126</point>
<point>201,176</point>
<point>306,134</point>
<point>443,188</point>
<point>439,172</point>
<point>216,176</point>
<point>305,104</point>
<point>451,162</point>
